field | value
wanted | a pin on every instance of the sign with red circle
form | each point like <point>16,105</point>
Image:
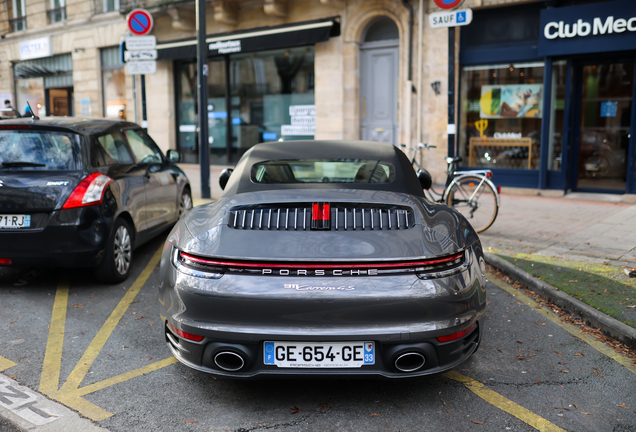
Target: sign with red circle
<point>448,4</point>
<point>139,22</point>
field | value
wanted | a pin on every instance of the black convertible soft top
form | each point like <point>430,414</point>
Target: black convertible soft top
<point>405,179</point>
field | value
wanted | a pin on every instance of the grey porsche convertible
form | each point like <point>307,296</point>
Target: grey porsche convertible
<point>323,258</point>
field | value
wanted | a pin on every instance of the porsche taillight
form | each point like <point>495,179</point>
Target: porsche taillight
<point>89,191</point>
<point>458,335</point>
<point>185,335</point>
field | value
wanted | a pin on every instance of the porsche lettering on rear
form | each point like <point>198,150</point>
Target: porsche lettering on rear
<point>319,272</point>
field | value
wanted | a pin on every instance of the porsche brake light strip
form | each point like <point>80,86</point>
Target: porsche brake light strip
<point>210,262</point>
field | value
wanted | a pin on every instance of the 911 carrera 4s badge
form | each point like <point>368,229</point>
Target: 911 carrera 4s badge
<point>299,287</point>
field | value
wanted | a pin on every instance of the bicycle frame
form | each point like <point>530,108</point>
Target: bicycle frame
<point>459,175</point>
<point>452,177</point>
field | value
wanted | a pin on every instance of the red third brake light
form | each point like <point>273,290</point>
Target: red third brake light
<point>90,191</point>
<point>5,261</point>
<point>320,215</point>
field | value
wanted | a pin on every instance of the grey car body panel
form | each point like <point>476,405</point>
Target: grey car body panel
<point>437,231</point>
<point>399,312</point>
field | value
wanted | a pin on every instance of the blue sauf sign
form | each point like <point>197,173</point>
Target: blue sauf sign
<point>600,27</point>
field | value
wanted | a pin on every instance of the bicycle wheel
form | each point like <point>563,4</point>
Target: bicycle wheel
<point>476,200</point>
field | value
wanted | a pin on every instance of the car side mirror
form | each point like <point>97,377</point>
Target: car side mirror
<point>425,179</point>
<point>173,156</point>
<point>224,177</point>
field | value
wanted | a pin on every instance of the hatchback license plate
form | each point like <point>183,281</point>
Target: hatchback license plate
<point>319,355</point>
<point>15,221</point>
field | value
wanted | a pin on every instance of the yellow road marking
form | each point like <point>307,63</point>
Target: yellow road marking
<point>91,353</point>
<point>49,381</point>
<point>5,364</point>
<point>70,394</point>
<point>572,329</point>
<point>504,404</point>
<point>126,376</point>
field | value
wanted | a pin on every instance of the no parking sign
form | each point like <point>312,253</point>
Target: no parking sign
<point>448,4</point>
<point>139,22</point>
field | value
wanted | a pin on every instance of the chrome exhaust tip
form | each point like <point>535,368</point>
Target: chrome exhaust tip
<point>229,361</point>
<point>409,362</point>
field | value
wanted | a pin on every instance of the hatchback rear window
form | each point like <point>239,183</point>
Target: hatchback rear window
<point>39,150</point>
<point>323,171</point>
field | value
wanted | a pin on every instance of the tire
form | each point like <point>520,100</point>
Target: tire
<point>185,203</point>
<point>482,210</point>
<point>115,266</point>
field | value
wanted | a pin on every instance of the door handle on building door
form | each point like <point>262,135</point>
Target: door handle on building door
<point>364,107</point>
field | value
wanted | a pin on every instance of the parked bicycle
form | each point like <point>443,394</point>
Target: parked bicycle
<point>472,193</point>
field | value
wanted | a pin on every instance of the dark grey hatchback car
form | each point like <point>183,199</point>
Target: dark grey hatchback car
<point>84,192</point>
<point>323,258</point>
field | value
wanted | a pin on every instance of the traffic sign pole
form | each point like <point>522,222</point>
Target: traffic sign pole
<point>451,92</point>
<point>202,87</point>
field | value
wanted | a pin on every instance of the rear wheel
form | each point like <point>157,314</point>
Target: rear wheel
<point>476,200</point>
<point>115,265</point>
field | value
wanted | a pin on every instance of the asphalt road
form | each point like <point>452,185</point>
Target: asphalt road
<point>99,350</point>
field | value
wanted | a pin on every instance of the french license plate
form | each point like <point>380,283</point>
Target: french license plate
<point>15,221</point>
<point>319,355</point>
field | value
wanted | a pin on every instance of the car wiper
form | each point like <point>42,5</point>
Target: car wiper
<point>21,164</point>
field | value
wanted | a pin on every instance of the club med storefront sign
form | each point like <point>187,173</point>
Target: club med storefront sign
<point>599,27</point>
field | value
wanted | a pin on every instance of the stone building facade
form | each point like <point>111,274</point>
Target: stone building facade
<point>350,84</point>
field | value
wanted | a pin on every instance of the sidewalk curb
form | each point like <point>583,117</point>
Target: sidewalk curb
<point>592,317</point>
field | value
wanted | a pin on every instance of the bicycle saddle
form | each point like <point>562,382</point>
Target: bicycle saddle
<point>453,159</point>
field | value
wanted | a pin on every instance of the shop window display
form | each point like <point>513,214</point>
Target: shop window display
<point>113,84</point>
<point>272,99</point>
<point>501,115</point>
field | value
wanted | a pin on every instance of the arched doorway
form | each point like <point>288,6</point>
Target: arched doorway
<point>379,54</point>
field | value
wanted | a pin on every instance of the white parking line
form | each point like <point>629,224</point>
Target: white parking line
<point>31,411</point>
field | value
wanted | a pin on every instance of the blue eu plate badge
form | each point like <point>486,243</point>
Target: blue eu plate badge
<point>269,352</point>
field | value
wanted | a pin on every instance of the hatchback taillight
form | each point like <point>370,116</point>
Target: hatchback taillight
<point>90,191</point>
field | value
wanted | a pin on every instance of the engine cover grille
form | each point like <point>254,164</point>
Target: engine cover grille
<point>342,216</point>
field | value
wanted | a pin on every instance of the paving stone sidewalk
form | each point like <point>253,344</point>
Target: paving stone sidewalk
<point>587,227</point>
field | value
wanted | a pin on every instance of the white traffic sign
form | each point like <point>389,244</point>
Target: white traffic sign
<point>140,55</point>
<point>141,67</point>
<point>451,19</point>
<point>140,43</point>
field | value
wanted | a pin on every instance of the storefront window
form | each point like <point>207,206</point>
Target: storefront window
<point>501,113</point>
<point>30,90</point>
<point>272,98</point>
<point>557,111</point>
<point>113,84</point>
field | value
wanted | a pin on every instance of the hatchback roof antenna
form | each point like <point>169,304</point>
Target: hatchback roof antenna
<point>33,116</point>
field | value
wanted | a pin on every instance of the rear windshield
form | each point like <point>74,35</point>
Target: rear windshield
<point>323,171</point>
<point>39,150</point>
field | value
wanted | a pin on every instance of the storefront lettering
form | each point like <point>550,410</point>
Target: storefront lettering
<point>35,48</point>
<point>561,30</point>
<point>226,47</point>
<point>507,135</point>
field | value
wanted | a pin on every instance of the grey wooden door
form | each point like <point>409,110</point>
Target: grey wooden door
<point>379,91</point>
